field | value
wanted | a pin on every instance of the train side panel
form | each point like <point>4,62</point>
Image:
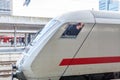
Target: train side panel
<point>101,51</point>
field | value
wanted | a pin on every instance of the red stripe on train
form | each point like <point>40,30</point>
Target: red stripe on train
<point>93,60</point>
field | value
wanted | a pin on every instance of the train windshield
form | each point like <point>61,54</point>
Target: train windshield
<point>45,30</point>
<point>48,26</point>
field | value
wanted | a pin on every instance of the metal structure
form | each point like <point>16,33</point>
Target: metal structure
<point>23,24</point>
<point>15,25</point>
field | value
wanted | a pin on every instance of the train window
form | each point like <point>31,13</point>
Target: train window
<point>72,30</point>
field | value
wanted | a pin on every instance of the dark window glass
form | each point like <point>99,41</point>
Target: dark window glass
<point>72,30</point>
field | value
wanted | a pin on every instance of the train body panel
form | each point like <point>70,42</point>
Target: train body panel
<point>101,44</point>
<point>94,50</point>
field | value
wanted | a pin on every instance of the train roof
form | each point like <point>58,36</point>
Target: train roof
<point>90,16</point>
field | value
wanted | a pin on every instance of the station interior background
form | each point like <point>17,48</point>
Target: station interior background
<point>22,39</point>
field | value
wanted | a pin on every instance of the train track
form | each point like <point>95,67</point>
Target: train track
<point>6,61</point>
<point>5,68</point>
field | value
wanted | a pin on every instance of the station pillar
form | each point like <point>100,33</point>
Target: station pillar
<point>15,43</point>
<point>26,39</point>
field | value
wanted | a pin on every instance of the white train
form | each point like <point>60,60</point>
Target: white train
<point>91,54</point>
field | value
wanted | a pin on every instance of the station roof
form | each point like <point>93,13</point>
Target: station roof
<point>22,23</point>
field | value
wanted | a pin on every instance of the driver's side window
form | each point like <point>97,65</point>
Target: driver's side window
<point>72,30</point>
